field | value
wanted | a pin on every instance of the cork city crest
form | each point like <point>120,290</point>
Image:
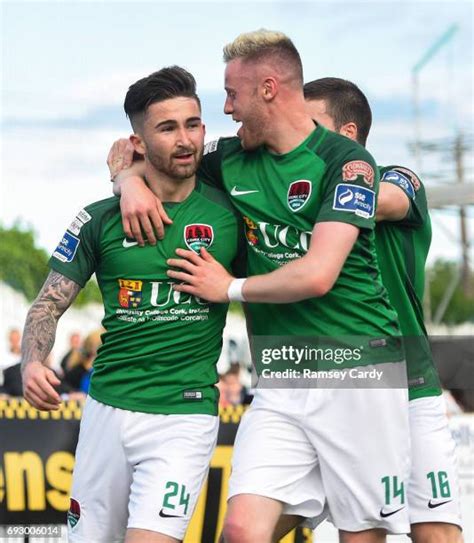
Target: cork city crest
<point>298,194</point>
<point>197,236</point>
<point>74,513</point>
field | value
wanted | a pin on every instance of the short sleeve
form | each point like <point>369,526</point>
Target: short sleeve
<point>75,255</point>
<point>411,185</point>
<point>349,189</point>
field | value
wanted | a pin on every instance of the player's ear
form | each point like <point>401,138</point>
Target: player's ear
<point>138,144</point>
<point>269,88</point>
<point>349,130</point>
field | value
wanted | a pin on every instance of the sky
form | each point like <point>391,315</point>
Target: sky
<point>66,67</point>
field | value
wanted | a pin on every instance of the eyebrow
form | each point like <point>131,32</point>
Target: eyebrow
<point>173,121</point>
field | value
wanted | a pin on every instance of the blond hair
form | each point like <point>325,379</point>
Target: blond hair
<point>266,45</point>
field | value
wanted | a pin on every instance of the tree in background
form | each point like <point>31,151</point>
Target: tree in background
<point>461,306</point>
<point>24,266</point>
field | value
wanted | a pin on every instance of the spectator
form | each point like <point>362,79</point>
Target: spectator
<point>73,353</point>
<point>232,392</point>
<point>12,385</point>
<point>13,353</point>
<point>78,373</point>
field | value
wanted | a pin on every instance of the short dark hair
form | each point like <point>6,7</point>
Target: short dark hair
<point>170,82</point>
<point>345,103</point>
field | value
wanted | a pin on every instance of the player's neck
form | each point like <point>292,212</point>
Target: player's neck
<point>290,125</point>
<point>169,189</point>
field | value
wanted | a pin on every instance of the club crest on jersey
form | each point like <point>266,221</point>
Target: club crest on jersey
<point>298,194</point>
<point>197,236</point>
<point>74,513</point>
<point>351,171</point>
<point>130,293</point>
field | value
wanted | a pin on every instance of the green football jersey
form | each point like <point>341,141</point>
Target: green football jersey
<point>160,347</point>
<point>326,178</point>
<point>402,248</point>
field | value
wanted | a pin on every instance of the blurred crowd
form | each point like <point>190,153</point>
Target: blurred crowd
<point>75,367</point>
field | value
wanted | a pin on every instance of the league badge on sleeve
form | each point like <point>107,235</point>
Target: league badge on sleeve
<point>397,178</point>
<point>197,236</point>
<point>351,171</point>
<point>67,248</point>
<point>298,194</point>
<point>354,199</point>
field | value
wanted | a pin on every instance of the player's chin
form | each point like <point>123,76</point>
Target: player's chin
<point>184,171</point>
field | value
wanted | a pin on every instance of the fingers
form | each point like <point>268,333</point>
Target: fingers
<point>127,228</point>
<point>136,231</point>
<point>162,213</point>
<point>147,229</point>
<point>183,264</point>
<point>188,289</point>
<point>189,255</point>
<point>34,400</point>
<point>181,276</point>
<point>206,255</point>
<point>52,379</point>
<point>120,156</point>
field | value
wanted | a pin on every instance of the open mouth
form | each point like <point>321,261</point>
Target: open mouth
<point>184,157</point>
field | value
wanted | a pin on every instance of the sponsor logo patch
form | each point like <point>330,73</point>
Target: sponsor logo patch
<point>128,242</point>
<point>197,236</point>
<point>434,505</point>
<point>298,194</point>
<point>210,147</point>
<point>165,515</point>
<point>83,216</point>
<point>354,199</point>
<point>74,513</point>
<point>401,181</point>
<point>412,177</point>
<point>384,514</point>
<point>75,226</point>
<point>236,192</point>
<point>67,248</point>
<point>351,171</point>
<point>130,293</point>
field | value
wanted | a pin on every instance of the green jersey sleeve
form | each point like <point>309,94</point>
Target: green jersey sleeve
<point>76,255</point>
<point>351,183</point>
<point>411,185</point>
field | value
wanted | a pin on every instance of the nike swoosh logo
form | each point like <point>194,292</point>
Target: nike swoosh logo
<point>385,515</point>
<point>164,515</point>
<point>433,505</point>
<point>236,192</point>
<point>128,244</point>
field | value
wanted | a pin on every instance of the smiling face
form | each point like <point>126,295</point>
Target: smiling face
<point>171,137</point>
<point>244,102</point>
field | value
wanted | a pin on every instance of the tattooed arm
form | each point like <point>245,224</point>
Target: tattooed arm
<point>56,296</point>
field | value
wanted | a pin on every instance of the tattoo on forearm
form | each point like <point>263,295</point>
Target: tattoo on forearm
<point>56,296</point>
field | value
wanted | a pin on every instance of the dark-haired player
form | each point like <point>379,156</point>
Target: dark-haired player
<point>403,236</point>
<point>150,423</point>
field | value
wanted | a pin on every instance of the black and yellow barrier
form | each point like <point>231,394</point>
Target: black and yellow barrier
<point>37,457</point>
